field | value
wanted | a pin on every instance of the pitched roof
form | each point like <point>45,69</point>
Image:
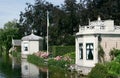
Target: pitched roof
<point>32,37</point>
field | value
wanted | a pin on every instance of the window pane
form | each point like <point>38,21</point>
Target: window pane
<point>89,51</point>
<point>91,46</point>
<point>87,46</point>
<point>81,51</point>
<point>25,46</point>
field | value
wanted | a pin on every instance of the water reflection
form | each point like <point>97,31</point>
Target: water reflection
<point>29,70</point>
<point>6,70</point>
<point>13,68</point>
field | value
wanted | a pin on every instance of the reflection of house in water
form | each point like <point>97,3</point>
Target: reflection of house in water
<point>29,70</point>
<point>15,63</point>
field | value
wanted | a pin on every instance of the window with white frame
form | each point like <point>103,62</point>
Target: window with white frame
<point>89,51</point>
<point>25,46</point>
<point>81,51</point>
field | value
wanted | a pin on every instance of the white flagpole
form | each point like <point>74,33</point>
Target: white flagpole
<point>47,32</point>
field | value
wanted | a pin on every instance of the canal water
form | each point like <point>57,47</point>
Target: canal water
<point>11,67</point>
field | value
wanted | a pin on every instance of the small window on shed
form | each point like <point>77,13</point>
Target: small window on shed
<point>25,47</point>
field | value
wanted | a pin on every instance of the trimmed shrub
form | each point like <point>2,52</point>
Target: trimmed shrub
<point>61,50</point>
<point>59,63</point>
<point>71,55</point>
<point>117,59</point>
<point>113,68</point>
<point>99,71</point>
<point>36,60</point>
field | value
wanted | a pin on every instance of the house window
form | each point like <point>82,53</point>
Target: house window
<point>89,51</point>
<point>81,51</point>
<point>25,47</point>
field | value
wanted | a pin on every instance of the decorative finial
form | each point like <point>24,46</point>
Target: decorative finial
<point>32,31</point>
<point>99,19</point>
<point>79,25</point>
<point>25,33</point>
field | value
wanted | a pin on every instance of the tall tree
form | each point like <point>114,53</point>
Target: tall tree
<point>71,9</point>
<point>107,9</point>
<point>9,31</point>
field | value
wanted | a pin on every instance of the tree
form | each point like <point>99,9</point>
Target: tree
<point>9,31</point>
<point>107,9</point>
<point>72,19</point>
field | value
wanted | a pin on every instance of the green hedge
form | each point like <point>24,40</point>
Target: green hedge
<point>99,71</point>
<point>61,50</point>
<point>61,63</point>
<point>36,60</point>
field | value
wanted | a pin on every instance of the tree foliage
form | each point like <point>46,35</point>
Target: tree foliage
<point>65,20</point>
<point>9,31</point>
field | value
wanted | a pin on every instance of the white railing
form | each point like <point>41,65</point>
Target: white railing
<point>90,28</point>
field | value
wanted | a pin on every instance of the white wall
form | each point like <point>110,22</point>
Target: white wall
<point>109,24</point>
<point>34,46</point>
<point>22,47</point>
<point>108,43</point>
<point>84,40</point>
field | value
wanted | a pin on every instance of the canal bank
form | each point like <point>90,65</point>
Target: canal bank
<point>10,67</point>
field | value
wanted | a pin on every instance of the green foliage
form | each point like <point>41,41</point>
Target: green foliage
<point>58,63</point>
<point>117,59</point>
<point>16,54</point>
<point>9,31</point>
<point>62,64</point>
<point>113,68</point>
<point>36,60</point>
<point>61,50</point>
<point>114,53</point>
<point>100,53</point>
<point>99,71</point>
<point>107,70</point>
<point>65,20</point>
<point>71,55</point>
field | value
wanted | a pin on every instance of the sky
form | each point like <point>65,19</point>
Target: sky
<point>10,9</point>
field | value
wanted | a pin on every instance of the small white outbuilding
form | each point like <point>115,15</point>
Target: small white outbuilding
<point>31,44</point>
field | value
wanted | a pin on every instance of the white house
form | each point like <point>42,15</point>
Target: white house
<point>87,39</point>
<point>31,44</point>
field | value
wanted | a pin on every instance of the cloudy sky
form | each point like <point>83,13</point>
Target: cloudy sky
<point>10,9</point>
